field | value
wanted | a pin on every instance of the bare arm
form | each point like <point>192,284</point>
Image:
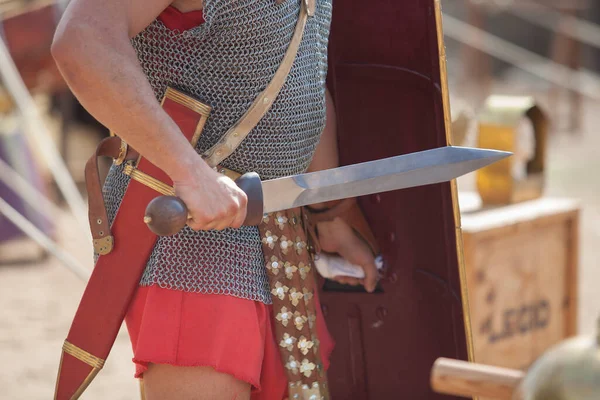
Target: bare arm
<point>93,52</point>
<point>337,236</point>
<point>326,154</point>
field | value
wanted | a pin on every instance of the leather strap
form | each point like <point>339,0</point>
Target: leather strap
<point>261,105</point>
<point>349,211</point>
<point>99,224</point>
<point>113,147</point>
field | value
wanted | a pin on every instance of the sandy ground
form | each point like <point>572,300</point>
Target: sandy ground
<point>38,298</point>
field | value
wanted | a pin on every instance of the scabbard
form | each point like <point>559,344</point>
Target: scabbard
<point>116,275</point>
<point>292,280</point>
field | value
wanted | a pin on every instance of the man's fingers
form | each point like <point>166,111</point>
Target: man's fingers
<point>358,253</point>
<point>239,218</point>
<point>371,276</point>
<point>200,225</point>
<point>233,217</point>
<point>346,280</point>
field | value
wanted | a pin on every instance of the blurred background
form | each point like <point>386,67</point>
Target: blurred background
<point>523,76</point>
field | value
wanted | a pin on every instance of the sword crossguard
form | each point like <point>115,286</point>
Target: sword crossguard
<point>167,215</point>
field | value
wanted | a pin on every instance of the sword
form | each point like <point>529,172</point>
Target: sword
<point>167,215</point>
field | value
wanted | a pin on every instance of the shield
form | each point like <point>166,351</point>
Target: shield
<point>388,80</point>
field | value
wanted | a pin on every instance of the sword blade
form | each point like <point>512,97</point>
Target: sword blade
<point>400,172</point>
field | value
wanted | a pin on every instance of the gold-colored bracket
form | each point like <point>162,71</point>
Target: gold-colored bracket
<point>122,153</point>
<point>187,101</point>
<point>148,180</point>
<point>104,245</point>
<point>95,362</point>
<point>82,355</point>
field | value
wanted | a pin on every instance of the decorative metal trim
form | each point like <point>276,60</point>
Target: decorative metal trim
<point>104,246</point>
<point>86,382</point>
<point>199,129</point>
<point>122,153</point>
<point>233,175</point>
<point>88,379</point>
<point>148,180</point>
<point>187,101</point>
<point>82,355</point>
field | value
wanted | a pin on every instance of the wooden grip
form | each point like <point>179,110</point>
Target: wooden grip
<point>251,185</point>
<point>167,215</point>
<point>461,378</point>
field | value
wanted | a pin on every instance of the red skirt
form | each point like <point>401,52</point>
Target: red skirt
<point>232,335</point>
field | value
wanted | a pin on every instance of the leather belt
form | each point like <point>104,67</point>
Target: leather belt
<point>99,224</point>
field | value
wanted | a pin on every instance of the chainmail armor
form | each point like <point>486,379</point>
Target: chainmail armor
<point>226,62</point>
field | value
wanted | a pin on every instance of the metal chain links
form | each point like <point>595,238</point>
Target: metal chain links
<point>226,62</point>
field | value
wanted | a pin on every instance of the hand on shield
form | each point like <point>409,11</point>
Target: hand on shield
<point>337,236</point>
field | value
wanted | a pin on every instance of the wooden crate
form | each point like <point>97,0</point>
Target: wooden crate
<point>521,267</point>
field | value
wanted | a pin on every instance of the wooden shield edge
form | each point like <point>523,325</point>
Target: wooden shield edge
<point>453,185</point>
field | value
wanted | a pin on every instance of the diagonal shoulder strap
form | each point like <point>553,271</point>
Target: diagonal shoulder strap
<point>261,105</point>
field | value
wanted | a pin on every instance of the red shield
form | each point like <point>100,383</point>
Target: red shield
<point>390,92</point>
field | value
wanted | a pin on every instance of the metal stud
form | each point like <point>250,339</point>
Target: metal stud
<point>99,221</point>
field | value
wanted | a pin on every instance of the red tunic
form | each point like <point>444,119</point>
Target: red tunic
<point>232,335</point>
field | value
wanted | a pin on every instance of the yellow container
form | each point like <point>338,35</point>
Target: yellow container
<point>516,124</point>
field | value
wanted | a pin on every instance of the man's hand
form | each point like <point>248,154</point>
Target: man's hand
<point>213,200</point>
<point>338,237</point>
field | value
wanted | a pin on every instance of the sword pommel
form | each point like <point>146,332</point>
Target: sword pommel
<point>166,215</point>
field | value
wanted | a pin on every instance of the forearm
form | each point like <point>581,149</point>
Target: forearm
<point>326,154</point>
<point>101,68</point>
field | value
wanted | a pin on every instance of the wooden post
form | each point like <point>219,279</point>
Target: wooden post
<point>461,378</point>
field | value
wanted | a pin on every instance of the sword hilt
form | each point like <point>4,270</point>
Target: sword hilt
<point>167,215</point>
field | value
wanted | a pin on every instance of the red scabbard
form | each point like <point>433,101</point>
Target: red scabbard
<point>116,275</point>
